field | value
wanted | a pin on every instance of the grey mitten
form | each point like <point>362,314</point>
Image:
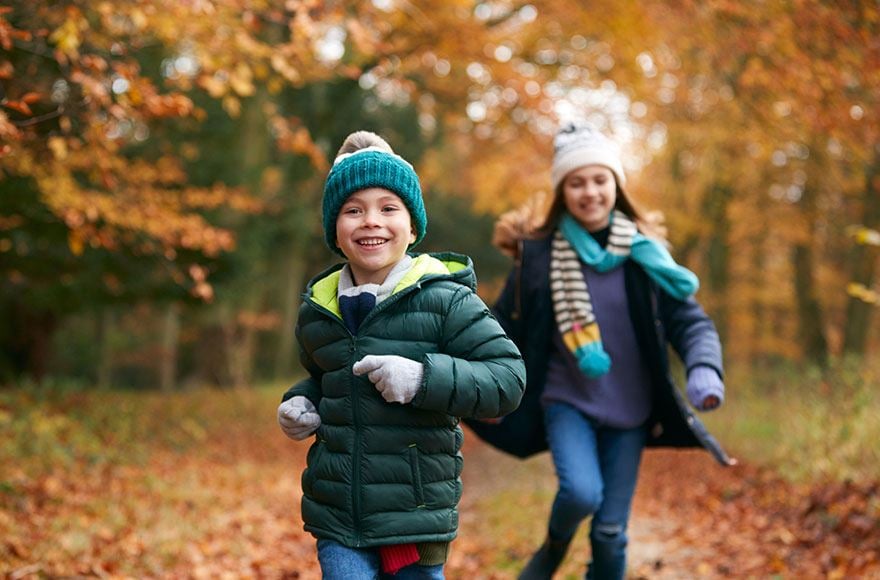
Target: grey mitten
<point>298,418</point>
<point>704,388</point>
<point>396,377</point>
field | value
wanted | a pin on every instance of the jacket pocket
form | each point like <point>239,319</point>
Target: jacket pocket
<point>316,452</point>
<point>415,466</point>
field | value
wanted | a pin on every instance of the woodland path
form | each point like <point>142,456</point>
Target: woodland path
<point>691,519</point>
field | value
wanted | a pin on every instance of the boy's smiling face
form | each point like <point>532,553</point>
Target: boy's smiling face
<point>373,230</point>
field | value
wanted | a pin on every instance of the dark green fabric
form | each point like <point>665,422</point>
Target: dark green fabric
<point>383,473</point>
<point>432,553</point>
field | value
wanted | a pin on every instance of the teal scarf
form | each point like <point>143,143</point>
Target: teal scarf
<point>572,305</point>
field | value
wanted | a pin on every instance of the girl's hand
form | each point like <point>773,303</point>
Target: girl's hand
<point>704,388</point>
<point>710,402</point>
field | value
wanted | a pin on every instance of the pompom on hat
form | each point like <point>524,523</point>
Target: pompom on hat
<point>578,144</point>
<point>366,168</point>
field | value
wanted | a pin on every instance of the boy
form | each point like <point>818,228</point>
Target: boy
<point>397,348</point>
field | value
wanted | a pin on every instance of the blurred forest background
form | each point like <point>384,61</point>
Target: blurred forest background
<point>161,168</point>
<point>162,162</point>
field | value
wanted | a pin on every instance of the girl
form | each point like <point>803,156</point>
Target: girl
<point>397,348</point>
<point>592,305</point>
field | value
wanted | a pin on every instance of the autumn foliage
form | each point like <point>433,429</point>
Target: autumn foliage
<point>152,150</point>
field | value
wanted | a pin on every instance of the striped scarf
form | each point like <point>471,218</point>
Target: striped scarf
<point>572,305</point>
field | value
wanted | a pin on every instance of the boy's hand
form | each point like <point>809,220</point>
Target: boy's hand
<point>396,377</point>
<point>704,388</point>
<point>298,418</point>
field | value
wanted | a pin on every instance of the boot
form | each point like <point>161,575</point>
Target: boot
<point>546,560</point>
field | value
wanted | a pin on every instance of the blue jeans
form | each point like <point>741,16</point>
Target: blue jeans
<point>340,562</point>
<point>597,469</point>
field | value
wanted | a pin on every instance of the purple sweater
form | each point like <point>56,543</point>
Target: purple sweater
<point>620,398</point>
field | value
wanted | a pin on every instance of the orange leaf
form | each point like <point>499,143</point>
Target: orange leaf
<point>31,97</point>
<point>19,106</point>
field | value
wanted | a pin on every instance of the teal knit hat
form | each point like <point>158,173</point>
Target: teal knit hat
<point>366,168</point>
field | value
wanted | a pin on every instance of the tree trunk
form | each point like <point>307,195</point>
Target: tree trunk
<point>684,245</point>
<point>211,356</point>
<point>718,253</point>
<point>240,332</point>
<point>809,309</point>
<point>290,300</point>
<point>762,327</point>
<point>240,338</point>
<point>862,267</point>
<point>104,371</point>
<point>27,339</point>
<point>170,343</point>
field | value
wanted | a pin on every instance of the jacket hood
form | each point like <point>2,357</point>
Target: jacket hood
<point>426,267</point>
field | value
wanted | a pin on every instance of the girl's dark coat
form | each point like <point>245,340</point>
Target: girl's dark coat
<point>525,310</point>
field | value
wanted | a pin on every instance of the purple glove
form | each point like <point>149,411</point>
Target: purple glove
<point>704,388</point>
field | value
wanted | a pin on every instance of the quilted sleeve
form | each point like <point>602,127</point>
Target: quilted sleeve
<point>478,372</point>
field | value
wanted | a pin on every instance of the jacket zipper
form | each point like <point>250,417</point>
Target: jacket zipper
<point>356,459</point>
<point>352,350</point>
<point>356,452</point>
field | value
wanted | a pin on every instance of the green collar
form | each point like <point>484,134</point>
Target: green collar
<point>324,291</point>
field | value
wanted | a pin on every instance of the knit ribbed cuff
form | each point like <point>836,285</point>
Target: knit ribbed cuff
<point>433,553</point>
<point>397,556</point>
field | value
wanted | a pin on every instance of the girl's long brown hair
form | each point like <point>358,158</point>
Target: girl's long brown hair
<point>531,220</point>
<point>647,224</point>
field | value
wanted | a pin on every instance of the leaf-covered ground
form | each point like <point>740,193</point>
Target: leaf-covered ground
<point>226,506</point>
<point>692,519</point>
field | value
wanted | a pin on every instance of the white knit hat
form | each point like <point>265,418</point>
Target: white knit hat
<point>579,144</point>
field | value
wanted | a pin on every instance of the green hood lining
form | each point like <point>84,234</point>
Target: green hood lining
<point>324,291</point>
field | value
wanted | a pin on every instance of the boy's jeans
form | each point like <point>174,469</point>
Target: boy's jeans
<point>340,562</point>
<point>597,469</point>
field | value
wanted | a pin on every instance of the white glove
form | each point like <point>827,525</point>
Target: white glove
<point>298,418</point>
<point>396,377</point>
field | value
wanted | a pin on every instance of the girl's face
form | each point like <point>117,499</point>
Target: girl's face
<point>373,230</point>
<point>590,193</point>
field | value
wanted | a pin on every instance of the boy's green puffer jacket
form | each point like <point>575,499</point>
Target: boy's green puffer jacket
<point>383,473</point>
